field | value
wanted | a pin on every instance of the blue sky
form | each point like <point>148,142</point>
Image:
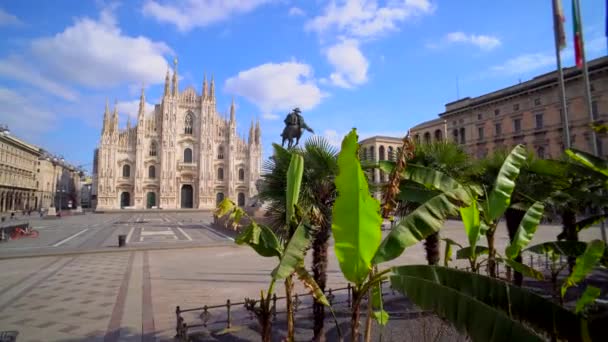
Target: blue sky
<point>380,66</point>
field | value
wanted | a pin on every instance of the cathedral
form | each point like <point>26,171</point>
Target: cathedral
<point>183,155</point>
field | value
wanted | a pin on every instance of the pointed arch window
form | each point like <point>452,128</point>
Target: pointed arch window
<point>220,152</point>
<point>220,173</point>
<point>153,149</point>
<point>187,155</point>
<point>152,172</point>
<point>188,120</point>
<point>241,174</point>
<point>126,171</point>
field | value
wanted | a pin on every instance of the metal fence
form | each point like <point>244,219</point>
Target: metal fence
<point>227,314</point>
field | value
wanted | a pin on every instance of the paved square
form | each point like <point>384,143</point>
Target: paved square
<point>130,294</point>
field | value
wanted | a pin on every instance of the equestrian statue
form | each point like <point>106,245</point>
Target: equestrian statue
<point>294,126</point>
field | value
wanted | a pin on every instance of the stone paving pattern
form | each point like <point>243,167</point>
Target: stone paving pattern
<point>130,295</point>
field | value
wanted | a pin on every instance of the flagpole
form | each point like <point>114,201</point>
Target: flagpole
<point>586,82</point>
<point>588,98</point>
<point>560,75</point>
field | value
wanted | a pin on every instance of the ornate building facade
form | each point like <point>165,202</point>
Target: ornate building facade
<point>183,155</point>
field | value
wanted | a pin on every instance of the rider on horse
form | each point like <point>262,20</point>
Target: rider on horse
<point>294,124</point>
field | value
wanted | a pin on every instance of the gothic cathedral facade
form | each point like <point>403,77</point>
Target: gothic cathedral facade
<point>183,155</point>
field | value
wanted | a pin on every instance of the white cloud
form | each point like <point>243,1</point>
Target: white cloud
<point>524,63</point>
<point>270,116</point>
<point>296,12</point>
<point>483,42</point>
<point>277,87</point>
<point>188,14</point>
<point>131,108</point>
<point>22,114</point>
<point>349,63</point>
<point>13,67</point>
<point>7,19</point>
<point>92,53</point>
<point>365,18</point>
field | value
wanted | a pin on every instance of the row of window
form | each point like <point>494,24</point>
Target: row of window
<point>516,107</point>
<point>126,172</point>
<point>187,152</point>
<point>368,153</point>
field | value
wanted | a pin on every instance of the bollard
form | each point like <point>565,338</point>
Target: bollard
<point>228,318</point>
<point>122,240</point>
<point>274,306</point>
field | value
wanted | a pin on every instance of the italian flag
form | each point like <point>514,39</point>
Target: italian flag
<point>578,34</point>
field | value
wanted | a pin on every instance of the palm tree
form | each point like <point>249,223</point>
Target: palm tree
<point>317,195</point>
<point>448,158</point>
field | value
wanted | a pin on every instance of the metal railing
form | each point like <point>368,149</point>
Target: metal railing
<point>182,328</point>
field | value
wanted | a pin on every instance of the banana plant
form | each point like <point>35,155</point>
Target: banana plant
<point>357,220</point>
<point>485,308</point>
<point>356,227</point>
<point>290,254</point>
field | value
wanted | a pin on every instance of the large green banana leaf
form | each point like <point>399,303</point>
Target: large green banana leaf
<point>466,252</point>
<point>590,221</point>
<point>526,230</point>
<point>411,191</point>
<point>500,197</point>
<point>523,269</point>
<point>486,308</point>
<point>310,283</point>
<point>470,220</point>
<point>261,239</point>
<point>447,255</point>
<point>584,264</point>
<point>425,220</point>
<point>589,160</point>
<point>294,253</point>
<point>294,182</point>
<point>565,248</point>
<point>432,179</point>
<point>589,296</point>
<point>356,215</point>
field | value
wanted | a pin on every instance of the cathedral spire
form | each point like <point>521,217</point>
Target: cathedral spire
<point>212,91</point>
<point>175,87</point>
<point>128,123</point>
<point>258,132</point>
<point>142,106</point>
<point>205,90</point>
<point>251,132</point>
<point>106,118</point>
<point>167,83</point>
<point>232,118</point>
<point>115,117</point>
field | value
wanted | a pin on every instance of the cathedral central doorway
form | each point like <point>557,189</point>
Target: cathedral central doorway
<point>187,196</point>
<point>150,200</point>
<point>125,199</point>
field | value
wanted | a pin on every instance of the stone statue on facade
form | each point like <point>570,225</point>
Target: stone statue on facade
<point>294,126</point>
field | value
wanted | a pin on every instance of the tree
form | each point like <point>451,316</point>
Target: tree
<point>317,195</point>
<point>450,159</point>
<point>290,252</point>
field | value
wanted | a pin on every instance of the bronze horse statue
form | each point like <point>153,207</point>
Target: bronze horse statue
<point>294,127</point>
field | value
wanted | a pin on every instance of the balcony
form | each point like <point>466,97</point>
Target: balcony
<point>183,166</point>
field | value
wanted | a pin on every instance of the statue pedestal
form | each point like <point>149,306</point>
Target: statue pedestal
<point>51,212</point>
<point>78,209</point>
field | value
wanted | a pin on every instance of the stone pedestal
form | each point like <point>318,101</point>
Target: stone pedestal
<point>51,212</point>
<point>78,209</point>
